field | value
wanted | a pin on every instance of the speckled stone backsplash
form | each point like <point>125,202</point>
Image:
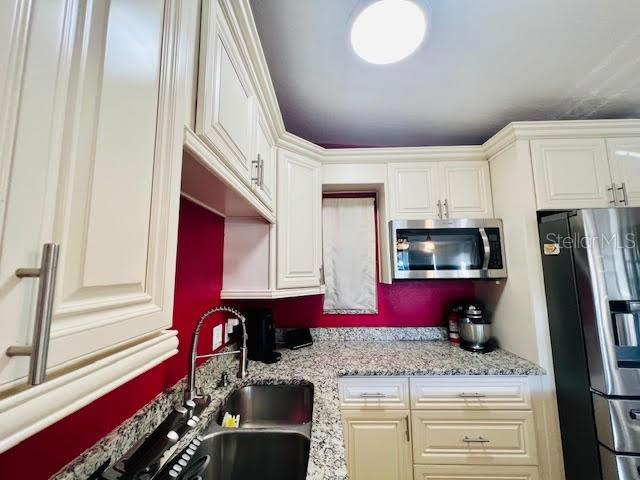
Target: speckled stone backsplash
<point>116,444</point>
<point>385,334</point>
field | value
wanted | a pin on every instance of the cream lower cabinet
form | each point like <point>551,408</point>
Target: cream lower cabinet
<point>377,427</point>
<point>462,428</point>
<point>378,444</point>
<point>474,472</point>
<point>94,166</point>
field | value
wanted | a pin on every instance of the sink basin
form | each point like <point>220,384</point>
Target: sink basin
<point>248,454</point>
<point>265,406</point>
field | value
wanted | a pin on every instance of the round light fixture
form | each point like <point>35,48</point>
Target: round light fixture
<point>388,31</point>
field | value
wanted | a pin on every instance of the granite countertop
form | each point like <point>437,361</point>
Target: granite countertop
<point>330,357</point>
<point>323,362</point>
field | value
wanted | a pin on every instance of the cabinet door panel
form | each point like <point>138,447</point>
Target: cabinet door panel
<point>224,116</point>
<point>474,472</point>
<point>571,173</point>
<point>110,193</point>
<point>28,163</point>
<point>467,189</point>
<point>414,190</point>
<point>624,157</point>
<point>299,221</point>
<point>378,444</point>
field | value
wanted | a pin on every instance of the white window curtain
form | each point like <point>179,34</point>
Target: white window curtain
<point>349,254</point>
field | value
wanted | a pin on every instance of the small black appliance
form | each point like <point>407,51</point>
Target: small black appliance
<point>261,336</point>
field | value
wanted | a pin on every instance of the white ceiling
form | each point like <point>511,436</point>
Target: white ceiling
<point>486,63</point>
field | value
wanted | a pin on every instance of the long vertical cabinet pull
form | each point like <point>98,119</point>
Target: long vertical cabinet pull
<point>614,197</point>
<point>256,179</point>
<point>407,426</point>
<point>439,205</point>
<point>623,189</point>
<point>39,348</point>
<point>446,208</point>
<point>261,171</point>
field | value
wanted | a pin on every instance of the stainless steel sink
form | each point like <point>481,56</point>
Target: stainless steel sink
<point>247,454</point>
<point>272,442</point>
<point>265,406</point>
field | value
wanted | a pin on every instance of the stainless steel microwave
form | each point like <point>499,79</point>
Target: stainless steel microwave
<point>458,248</point>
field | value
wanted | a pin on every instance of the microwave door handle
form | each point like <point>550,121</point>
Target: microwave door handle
<point>487,248</point>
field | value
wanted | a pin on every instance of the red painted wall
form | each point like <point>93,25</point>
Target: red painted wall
<point>198,285</point>
<point>402,304</point>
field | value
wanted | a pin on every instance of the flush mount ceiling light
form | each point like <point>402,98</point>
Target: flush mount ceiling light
<point>388,31</point>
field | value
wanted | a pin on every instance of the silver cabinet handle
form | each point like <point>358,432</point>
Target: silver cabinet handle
<point>446,208</point>
<point>39,348</point>
<point>372,395</point>
<point>439,205</point>
<point>471,395</point>
<point>255,179</point>
<point>614,197</point>
<point>407,428</point>
<point>478,439</point>
<point>260,171</point>
<point>623,189</point>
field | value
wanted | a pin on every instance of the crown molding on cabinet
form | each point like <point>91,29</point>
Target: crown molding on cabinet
<point>401,154</point>
<point>560,129</point>
<point>295,144</point>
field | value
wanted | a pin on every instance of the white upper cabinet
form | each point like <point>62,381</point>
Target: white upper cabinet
<point>299,228</point>
<point>571,173</point>
<point>414,190</point>
<point>455,189</point>
<point>466,189</point>
<point>94,168</point>
<point>264,163</point>
<point>225,112</point>
<point>624,159</point>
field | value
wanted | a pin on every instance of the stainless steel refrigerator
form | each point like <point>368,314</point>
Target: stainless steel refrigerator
<point>591,262</point>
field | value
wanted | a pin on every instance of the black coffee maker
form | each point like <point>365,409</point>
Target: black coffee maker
<point>261,335</point>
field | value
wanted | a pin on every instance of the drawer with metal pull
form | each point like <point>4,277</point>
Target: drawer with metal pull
<point>373,392</point>
<point>475,472</point>
<point>474,393</point>
<point>474,437</point>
